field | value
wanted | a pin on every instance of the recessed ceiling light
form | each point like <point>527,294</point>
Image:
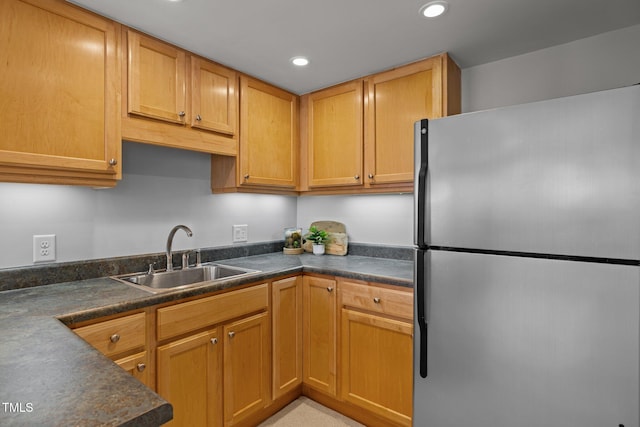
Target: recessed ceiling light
<point>434,9</point>
<point>299,61</point>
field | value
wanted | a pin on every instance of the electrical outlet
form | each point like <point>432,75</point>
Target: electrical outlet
<point>240,233</point>
<point>44,247</point>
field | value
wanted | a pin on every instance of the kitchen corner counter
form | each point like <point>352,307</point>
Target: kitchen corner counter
<point>52,377</point>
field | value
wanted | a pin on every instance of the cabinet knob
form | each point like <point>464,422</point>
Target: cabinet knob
<point>181,114</point>
<point>330,289</point>
<point>356,177</point>
<point>246,177</point>
<point>141,367</point>
<point>376,300</point>
<point>113,162</point>
<point>232,334</point>
<point>214,341</point>
<point>114,338</point>
<point>198,117</point>
<point>370,176</point>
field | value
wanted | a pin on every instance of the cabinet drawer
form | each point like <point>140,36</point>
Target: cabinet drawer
<point>117,335</point>
<point>378,300</point>
<point>190,316</point>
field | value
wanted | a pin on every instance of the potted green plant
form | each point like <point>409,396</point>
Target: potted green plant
<point>319,238</point>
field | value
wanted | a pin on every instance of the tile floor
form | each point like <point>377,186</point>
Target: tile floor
<point>304,412</point>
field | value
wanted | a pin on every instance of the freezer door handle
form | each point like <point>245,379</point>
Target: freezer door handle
<point>422,288</point>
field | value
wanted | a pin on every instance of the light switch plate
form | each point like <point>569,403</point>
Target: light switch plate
<point>44,247</point>
<point>240,233</point>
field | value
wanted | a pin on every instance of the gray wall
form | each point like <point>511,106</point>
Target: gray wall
<point>163,187</point>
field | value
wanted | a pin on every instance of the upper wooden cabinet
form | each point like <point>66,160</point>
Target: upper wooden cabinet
<point>177,99</point>
<point>396,100</point>
<point>156,78</point>
<point>60,94</point>
<point>269,143</point>
<point>357,142</point>
<point>335,135</point>
<point>214,98</point>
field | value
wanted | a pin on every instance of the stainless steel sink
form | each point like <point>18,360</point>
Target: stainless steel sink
<point>168,280</point>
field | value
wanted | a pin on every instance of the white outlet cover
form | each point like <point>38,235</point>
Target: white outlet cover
<point>240,233</point>
<point>44,248</point>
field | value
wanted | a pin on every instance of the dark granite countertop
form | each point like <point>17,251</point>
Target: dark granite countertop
<point>49,376</point>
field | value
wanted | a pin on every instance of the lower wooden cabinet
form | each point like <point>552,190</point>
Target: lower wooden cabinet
<point>319,354</point>
<point>286,307</point>
<point>377,370</point>
<point>137,366</point>
<point>235,358</point>
<point>376,348</point>
<point>219,373</point>
<point>189,377</point>
<point>123,340</point>
<point>247,367</point>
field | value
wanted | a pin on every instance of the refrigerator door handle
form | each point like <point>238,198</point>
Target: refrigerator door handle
<point>421,188</point>
<point>422,291</point>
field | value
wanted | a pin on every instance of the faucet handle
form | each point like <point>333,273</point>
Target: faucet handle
<point>185,260</point>
<point>150,270</point>
<point>198,258</point>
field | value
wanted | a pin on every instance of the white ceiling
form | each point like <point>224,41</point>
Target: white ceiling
<point>346,39</point>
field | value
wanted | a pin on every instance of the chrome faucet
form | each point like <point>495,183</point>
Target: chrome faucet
<point>170,242</point>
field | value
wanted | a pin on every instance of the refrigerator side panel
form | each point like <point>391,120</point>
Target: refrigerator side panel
<point>529,342</point>
<point>557,176</point>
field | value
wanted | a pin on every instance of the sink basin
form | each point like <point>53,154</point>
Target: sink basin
<point>167,280</point>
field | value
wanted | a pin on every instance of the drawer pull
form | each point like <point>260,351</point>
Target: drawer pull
<point>141,367</point>
<point>214,341</point>
<point>232,334</point>
<point>330,289</point>
<point>376,300</point>
<point>114,338</point>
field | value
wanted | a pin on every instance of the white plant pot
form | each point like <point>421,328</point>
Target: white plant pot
<point>318,249</point>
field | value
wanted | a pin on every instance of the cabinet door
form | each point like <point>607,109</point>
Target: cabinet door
<point>397,99</point>
<point>189,377</point>
<point>58,89</point>
<point>247,367</point>
<point>156,79</point>
<point>287,334</point>
<point>138,366</point>
<point>335,135</point>
<point>319,320</point>
<point>214,97</point>
<point>269,135</point>
<point>377,364</point>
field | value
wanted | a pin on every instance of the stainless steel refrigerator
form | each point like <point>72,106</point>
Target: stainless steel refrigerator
<point>527,277</point>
